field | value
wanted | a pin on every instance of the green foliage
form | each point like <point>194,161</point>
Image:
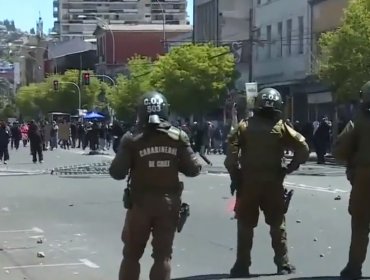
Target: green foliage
<point>124,98</point>
<point>345,58</point>
<point>194,77</point>
<point>9,111</point>
<point>41,98</point>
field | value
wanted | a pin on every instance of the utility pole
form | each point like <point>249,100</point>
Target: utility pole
<point>194,22</point>
<point>251,41</point>
<point>217,22</point>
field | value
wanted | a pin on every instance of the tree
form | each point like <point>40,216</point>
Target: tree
<point>10,25</point>
<point>32,31</point>
<point>42,98</point>
<point>129,88</point>
<point>345,53</point>
<point>194,77</point>
<point>9,111</point>
<point>27,100</point>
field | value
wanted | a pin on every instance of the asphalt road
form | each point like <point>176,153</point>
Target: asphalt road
<point>79,222</point>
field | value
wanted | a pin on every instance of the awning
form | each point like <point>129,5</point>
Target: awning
<point>319,98</point>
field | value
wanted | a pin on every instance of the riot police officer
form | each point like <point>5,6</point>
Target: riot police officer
<point>152,158</point>
<point>352,147</point>
<point>254,160</point>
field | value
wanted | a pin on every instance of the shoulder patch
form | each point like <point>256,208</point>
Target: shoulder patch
<point>294,134</point>
<point>174,133</point>
<point>243,125</point>
<point>349,127</point>
<point>281,122</point>
<point>184,137</point>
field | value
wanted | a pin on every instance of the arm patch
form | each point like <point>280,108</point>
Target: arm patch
<point>294,134</point>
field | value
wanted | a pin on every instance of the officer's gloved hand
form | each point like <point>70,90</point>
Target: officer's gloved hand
<point>236,181</point>
<point>350,175</point>
<point>290,168</point>
<point>233,187</point>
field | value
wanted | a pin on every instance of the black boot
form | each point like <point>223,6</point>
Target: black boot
<point>286,269</point>
<point>239,272</point>
<point>349,273</point>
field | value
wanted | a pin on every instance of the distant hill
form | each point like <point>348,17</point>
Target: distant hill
<point>9,35</point>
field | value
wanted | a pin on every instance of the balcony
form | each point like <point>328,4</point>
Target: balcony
<point>76,10</point>
<point>131,11</point>
<point>117,21</point>
<point>173,11</point>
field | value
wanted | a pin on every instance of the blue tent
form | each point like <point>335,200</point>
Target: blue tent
<point>93,115</point>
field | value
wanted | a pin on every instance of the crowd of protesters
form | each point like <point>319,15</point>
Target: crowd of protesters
<point>206,137</point>
<point>43,136</point>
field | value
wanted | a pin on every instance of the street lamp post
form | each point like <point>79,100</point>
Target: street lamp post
<point>111,111</point>
<point>163,23</point>
<point>79,92</point>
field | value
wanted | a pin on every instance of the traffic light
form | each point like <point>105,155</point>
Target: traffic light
<point>86,77</point>
<point>56,85</point>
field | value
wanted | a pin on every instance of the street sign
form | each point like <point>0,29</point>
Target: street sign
<point>251,90</point>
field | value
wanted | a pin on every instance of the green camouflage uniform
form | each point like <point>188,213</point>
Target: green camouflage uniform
<point>353,148</point>
<point>258,146</point>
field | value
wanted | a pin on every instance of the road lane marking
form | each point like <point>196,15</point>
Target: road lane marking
<point>302,186</point>
<point>314,188</point>
<point>34,229</point>
<point>36,236</point>
<point>88,263</point>
<point>82,262</point>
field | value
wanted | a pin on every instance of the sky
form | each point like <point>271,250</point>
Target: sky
<point>26,12</point>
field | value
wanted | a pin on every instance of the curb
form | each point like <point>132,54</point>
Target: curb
<point>20,173</point>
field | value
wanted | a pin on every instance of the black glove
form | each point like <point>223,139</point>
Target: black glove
<point>290,168</point>
<point>350,175</point>
<point>236,181</point>
<point>233,187</point>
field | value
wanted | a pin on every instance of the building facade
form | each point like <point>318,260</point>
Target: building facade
<point>226,23</point>
<point>221,20</point>
<point>116,44</point>
<point>326,15</point>
<point>281,54</point>
<point>77,18</point>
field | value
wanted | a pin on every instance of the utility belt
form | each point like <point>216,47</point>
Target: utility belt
<point>184,212</point>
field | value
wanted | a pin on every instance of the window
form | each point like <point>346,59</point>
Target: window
<point>280,39</point>
<point>289,36</point>
<point>300,35</point>
<point>269,42</point>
